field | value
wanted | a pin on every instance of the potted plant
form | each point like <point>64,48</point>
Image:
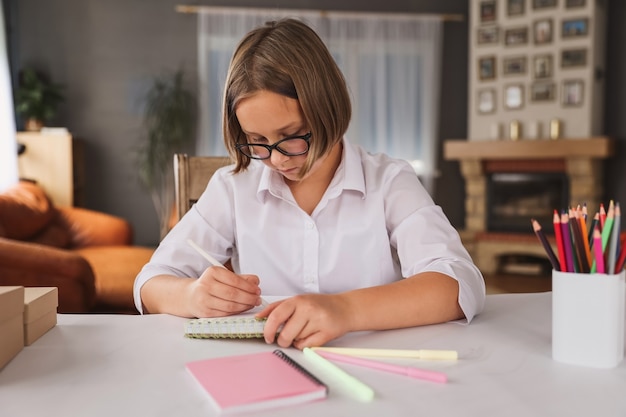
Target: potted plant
<point>36,99</point>
<point>169,125</point>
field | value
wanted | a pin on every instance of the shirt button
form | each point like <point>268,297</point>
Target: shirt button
<point>310,278</point>
<point>309,225</point>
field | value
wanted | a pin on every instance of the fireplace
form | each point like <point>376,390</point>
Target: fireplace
<point>515,197</point>
<point>509,182</point>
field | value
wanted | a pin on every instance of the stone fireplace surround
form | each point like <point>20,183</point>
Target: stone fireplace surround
<point>581,160</point>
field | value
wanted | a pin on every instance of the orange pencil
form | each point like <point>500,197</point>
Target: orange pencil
<point>577,239</point>
<point>583,232</point>
<point>556,222</point>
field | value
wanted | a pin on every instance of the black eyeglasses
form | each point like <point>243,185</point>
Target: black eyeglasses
<point>291,146</point>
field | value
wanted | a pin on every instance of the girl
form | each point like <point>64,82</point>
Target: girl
<point>353,238</point>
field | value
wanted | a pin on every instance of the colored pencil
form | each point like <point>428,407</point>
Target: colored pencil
<point>556,222</point>
<point>611,253</point>
<point>592,226</point>
<point>599,255</point>
<point>582,216</point>
<point>605,235</point>
<point>602,216</point>
<point>567,243</point>
<point>546,245</point>
<point>620,261</point>
<point>581,256</point>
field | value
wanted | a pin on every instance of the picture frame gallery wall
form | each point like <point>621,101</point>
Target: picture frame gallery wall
<point>536,69</point>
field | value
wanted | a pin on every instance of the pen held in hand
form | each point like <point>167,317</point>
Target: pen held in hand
<point>214,262</point>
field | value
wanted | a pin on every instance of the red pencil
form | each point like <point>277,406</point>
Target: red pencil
<point>602,216</point>
<point>620,261</point>
<point>556,221</point>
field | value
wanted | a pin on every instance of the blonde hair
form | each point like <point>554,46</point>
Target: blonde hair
<point>287,57</point>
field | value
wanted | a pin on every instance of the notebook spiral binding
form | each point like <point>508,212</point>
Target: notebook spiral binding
<point>298,367</point>
<point>225,328</point>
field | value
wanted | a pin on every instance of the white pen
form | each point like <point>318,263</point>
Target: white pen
<point>215,262</point>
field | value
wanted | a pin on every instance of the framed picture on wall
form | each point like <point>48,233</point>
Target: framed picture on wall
<point>515,7</point>
<point>543,4</point>
<point>514,96</point>
<point>542,91</point>
<point>487,11</point>
<point>542,66</point>
<point>487,68</point>
<point>573,58</point>
<point>486,101</point>
<point>572,93</point>
<point>516,36</point>
<point>489,35</point>
<point>575,28</point>
<point>572,4</point>
<point>542,31</point>
<point>514,65</point>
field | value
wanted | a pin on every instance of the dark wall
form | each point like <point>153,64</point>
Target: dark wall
<point>105,51</point>
<point>615,101</point>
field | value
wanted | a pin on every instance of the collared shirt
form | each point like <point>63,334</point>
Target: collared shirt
<point>374,225</point>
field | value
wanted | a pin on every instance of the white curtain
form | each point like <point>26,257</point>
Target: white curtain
<point>391,63</point>
<point>8,146</point>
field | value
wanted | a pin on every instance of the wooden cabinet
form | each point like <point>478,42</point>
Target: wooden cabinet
<point>55,162</point>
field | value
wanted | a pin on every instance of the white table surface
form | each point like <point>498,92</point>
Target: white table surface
<point>115,365</point>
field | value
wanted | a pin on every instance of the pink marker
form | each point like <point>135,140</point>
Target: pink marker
<point>433,376</point>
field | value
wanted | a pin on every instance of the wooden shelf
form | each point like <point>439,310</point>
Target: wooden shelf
<point>597,147</point>
<point>55,162</point>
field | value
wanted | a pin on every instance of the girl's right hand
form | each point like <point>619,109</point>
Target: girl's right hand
<point>219,292</point>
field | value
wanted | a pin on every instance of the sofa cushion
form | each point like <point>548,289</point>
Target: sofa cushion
<point>115,269</point>
<point>25,210</point>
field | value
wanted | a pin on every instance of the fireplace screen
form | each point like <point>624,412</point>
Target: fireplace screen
<point>514,198</point>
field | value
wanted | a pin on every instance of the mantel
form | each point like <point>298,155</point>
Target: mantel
<point>597,147</point>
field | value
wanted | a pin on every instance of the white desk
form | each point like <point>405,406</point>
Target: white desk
<point>104,365</point>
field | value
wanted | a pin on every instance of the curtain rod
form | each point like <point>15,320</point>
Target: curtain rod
<point>182,8</point>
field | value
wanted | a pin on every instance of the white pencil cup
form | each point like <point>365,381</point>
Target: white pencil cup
<point>588,319</point>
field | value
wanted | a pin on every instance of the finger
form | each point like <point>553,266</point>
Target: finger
<point>276,319</point>
<point>315,339</point>
<point>253,279</point>
<point>214,295</point>
<point>292,330</point>
<point>268,310</point>
<point>247,283</point>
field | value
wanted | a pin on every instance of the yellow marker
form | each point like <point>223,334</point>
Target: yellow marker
<point>425,354</point>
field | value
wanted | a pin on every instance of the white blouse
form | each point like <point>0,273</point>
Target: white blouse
<point>374,225</point>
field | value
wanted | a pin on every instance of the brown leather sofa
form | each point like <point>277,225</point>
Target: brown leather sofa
<point>87,255</point>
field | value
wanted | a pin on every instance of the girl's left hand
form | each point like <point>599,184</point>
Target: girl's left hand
<point>308,320</point>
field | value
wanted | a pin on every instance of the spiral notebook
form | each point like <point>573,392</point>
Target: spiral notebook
<point>242,326</point>
<point>256,381</point>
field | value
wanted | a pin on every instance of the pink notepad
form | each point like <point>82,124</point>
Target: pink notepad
<point>256,381</point>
